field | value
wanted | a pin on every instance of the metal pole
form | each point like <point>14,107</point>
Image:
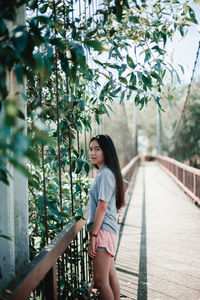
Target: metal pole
<point>135,120</point>
<point>159,131</point>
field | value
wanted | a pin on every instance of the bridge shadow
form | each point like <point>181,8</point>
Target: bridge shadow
<point>142,280</point>
<point>142,274</point>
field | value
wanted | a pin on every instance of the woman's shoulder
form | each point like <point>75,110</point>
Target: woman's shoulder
<point>105,171</point>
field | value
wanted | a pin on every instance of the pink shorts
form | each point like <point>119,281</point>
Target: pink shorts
<point>108,240</point>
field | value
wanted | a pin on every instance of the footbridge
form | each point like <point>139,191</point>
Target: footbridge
<point>158,255</point>
<point>158,250</point>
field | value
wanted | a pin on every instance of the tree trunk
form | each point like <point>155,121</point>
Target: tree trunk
<point>14,198</point>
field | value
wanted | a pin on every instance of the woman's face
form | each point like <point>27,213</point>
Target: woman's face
<point>96,154</point>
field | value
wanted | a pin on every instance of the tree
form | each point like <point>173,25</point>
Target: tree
<point>186,147</point>
<point>76,63</point>
<point>133,33</point>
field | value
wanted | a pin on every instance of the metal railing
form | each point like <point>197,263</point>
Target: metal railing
<point>129,171</point>
<point>186,177</point>
<point>63,269</point>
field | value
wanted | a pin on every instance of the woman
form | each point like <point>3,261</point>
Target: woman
<point>106,197</point>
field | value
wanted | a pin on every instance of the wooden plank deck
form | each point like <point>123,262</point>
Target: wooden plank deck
<point>159,250</point>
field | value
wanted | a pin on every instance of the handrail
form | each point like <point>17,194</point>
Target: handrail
<point>128,172</point>
<point>36,270</point>
<point>44,266</point>
<point>129,165</point>
<point>188,178</point>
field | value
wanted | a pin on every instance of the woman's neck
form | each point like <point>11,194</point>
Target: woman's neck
<point>101,166</point>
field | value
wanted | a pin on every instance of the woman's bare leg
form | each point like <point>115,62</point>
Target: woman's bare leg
<point>114,282</point>
<point>101,267</point>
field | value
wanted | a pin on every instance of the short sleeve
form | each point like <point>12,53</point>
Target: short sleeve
<point>106,186</point>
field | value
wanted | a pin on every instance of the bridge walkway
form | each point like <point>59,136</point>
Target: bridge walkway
<point>158,257</point>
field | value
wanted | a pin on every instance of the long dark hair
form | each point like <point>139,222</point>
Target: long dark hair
<point>112,162</point>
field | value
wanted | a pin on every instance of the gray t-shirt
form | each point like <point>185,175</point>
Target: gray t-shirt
<point>104,188</point>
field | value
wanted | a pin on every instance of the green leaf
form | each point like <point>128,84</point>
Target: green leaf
<point>79,212</point>
<point>147,56</point>
<point>122,96</point>
<point>3,176</point>
<point>20,114</point>
<point>81,104</point>
<point>42,228</point>
<point>52,207</point>
<point>20,38</point>
<point>98,62</point>
<point>105,88</point>
<point>147,81</point>
<point>80,163</point>
<point>43,19</point>
<point>58,43</point>
<point>97,119</point>
<point>122,69</point>
<point>137,100</point>
<point>133,80</point>
<point>123,80</point>
<point>78,55</point>
<point>159,50</point>
<point>41,204</point>
<point>169,98</point>
<point>182,68</point>
<point>192,15</point>
<point>81,153</point>
<point>86,167</point>
<point>43,66</point>
<point>181,29</point>
<point>3,27</point>
<point>33,156</point>
<point>33,183</point>
<point>130,62</point>
<point>5,237</point>
<point>118,10</point>
<point>43,8</point>
<point>96,45</point>
<point>115,92</point>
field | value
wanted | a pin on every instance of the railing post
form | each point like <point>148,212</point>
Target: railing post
<point>51,284</point>
<point>194,184</point>
<point>184,176</point>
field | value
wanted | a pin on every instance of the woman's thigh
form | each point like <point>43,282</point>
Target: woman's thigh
<point>101,266</point>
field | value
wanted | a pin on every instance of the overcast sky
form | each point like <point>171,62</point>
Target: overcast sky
<point>184,49</point>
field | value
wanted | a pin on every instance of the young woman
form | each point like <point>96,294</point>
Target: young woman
<point>106,197</point>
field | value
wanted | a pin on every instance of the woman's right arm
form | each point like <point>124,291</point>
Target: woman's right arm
<point>98,219</point>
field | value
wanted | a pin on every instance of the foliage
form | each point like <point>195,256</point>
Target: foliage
<point>187,144</point>
<point>75,64</point>
<point>134,35</point>
<point>122,126</point>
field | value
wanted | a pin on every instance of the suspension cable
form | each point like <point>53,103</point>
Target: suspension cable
<point>174,134</point>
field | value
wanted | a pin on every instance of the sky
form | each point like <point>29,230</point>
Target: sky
<point>184,49</point>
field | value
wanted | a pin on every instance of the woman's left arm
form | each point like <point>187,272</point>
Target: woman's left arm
<point>98,219</point>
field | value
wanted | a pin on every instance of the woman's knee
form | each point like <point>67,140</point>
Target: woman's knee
<point>100,282</point>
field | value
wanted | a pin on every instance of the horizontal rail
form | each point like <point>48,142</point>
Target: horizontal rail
<point>188,178</point>
<point>44,267</point>
<point>130,165</point>
<point>35,271</point>
<point>128,174</point>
